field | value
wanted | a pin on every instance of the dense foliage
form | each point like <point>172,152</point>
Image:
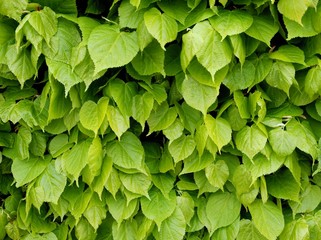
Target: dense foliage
<point>169,119</point>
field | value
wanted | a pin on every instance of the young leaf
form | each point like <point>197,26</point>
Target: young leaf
<point>150,60</point>
<point>44,22</point>
<point>136,183</point>
<point>281,76</point>
<point>173,227</point>
<point>262,29</point>
<point>282,185</point>
<point>161,118</point>
<point>197,95</point>
<point>297,229</point>
<point>13,9</point>
<point>127,152</point>
<point>106,43</point>
<point>231,22</point>
<point>74,160</point>
<point>222,209</point>
<point>219,130</point>
<point>293,9</point>
<point>289,53</point>
<point>250,140</point>
<point>158,207</point>
<point>182,147</point>
<point>312,81</point>
<point>119,209</point>
<point>161,26</point>
<point>282,141</point>
<point>117,121</point>
<point>240,77</point>
<point>142,107</point>
<point>91,115</point>
<point>217,173</point>
<point>249,231</point>
<point>24,171</point>
<point>95,211</point>
<point>215,53</point>
<point>267,218</point>
<point>50,184</point>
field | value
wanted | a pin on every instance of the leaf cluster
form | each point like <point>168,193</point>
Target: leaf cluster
<point>172,119</point>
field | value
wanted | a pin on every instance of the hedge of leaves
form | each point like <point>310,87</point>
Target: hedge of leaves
<point>169,119</point>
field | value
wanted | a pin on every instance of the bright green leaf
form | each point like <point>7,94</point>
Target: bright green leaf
<point>106,43</point>
<point>217,173</point>
<point>267,218</point>
<point>161,26</point>
<point>182,147</point>
<point>231,22</point>
<point>219,130</point>
<point>282,141</point>
<point>222,209</point>
<point>250,140</point>
<point>293,9</point>
<point>158,207</point>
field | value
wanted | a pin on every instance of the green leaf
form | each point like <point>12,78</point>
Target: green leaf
<point>298,229</point>
<point>161,26</point>
<point>91,115</point>
<point>312,81</point>
<point>126,230</point>
<point>228,232</point>
<point>44,22</point>
<point>186,203</point>
<point>182,147</point>
<point>50,184</point>
<point>240,77</point>
<point>101,180</point>
<point>164,182</point>
<point>173,227</point>
<point>113,182</point>
<point>215,53</point>
<point>106,43</point>
<point>94,162</point>
<point>175,9</point>
<point>192,43</point>
<point>249,231</point>
<point>222,209</point>
<point>142,107</point>
<point>127,152</point>
<point>219,130</point>
<point>261,165</point>
<point>136,183</point>
<point>267,218</point>
<point>283,185</point>
<point>281,76</point>
<point>282,141</point>
<point>217,174</point>
<point>196,162</point>
<point>150,60</point>
<point>238,44</point>
<point>58,145</point>
<point>158,207</point>
<point>293,9</point>
<point>231,22</point>
<point>117,121</point>
<point>74,160</point>
<point>38,144</point>
<point>246,191</point>
<point>289,53</point>
<point>84,230</point>
<point>250,140</point>
<point>59,105</point>
<point>20,63</point>
<point>309,199</point>
<point>197,95</point>
<point>262,29</point>
<point>24,171</point>
<point>129,16</point>
<point>13,9</point>
<point>161,118</point>
<point>95,211</point>
<point>174,131</point>
<point>308,26</point>
<point>119,209</point>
